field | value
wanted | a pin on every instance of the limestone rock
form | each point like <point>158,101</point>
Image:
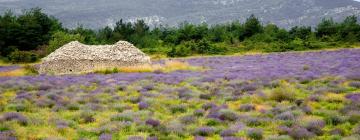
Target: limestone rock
<point>76,57</point>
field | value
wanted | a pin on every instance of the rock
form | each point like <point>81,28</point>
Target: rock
<point>75,58</point>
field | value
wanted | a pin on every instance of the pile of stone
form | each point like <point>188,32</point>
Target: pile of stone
<point>75,57</point>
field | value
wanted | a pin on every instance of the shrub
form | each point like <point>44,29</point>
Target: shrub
<point>227,115</point>
<point>73,106</point>
<point>15,116</point>
<point>152,122</point>
<point>247,107</point>
<point>87,117</point>
<point>355,84</point>
<point>31,70</point>
<point>333,119</point>
<point>22,57</point>
<point>300,133</point>
<point>61,125</point>
<point>121,117</point>
<point>213,122</point>
<point>143,105</point>
<point>135,138</point>
<point>337,131</point>
<point>105,136</point>
<point>356,130</point>
<point>282,94</point>
<point>199,112</point>
<point>208,106</point>
<point>178,108</point>
<point>189,119</point>
<point>228,132</point>
<point>7,135</point>
<point>286,116</point>
<point>254,122</point>
<point>204,131</point>
<point>354,117</point>
<point>281,137</point>
<point>315,126</point>
<point>205,96</point>
<point>255,134</point>
<point>17,107</point>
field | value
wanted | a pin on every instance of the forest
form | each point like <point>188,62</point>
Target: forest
<point>34,34</point>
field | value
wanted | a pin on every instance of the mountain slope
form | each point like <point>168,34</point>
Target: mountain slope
<point>98,13</point>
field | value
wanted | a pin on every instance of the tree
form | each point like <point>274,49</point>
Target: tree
<point>350,29</point>
<point>327,27</point>
<point>301,32</point>
<point>27,31</point>
<point>35,30</point>
<point>252,26</point>
<point>9,29</point>
<point>61,38</point>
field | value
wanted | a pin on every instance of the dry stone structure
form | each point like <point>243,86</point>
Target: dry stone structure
<point>75,57</point>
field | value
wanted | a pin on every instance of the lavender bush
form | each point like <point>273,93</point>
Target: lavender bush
<point>232,95</point>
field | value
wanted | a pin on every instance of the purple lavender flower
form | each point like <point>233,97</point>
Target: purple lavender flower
<point>7,135</point>
<point>136,138</point>
<point>286,116</point>
<point>228,132</point>
<point>143,105</point>
<point>152,122</point>
<point>152,138</point>
<point>204,131</point>
<point>105,136</point>
<point>255,134</point>
<point>15,116</point>
<point>353,97</point>
<point>299,133</point>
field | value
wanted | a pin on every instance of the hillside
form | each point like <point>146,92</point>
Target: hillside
<point>95,14</point>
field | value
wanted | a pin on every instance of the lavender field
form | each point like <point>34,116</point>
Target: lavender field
<point>280,96</point>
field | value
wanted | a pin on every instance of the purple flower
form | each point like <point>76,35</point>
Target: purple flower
<point>286,116</point>
<point>7,135</point>
<point>255,134</point>
<point>152,138</point>
<point>353,97</point>
<point>204,131</point>
<point>228,132</point>
<point>299,133</point>
<point>152,122</point>
<point>61,124</point>
<point>209,106</point>
<point>136,138</point>
<point>143,105</point>
<point>105,136</point>
<point>15,116</point>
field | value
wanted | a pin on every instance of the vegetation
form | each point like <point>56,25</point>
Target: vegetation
<point>41,34</point>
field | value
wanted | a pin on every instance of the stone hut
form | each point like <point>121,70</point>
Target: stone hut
<point>75,58</point>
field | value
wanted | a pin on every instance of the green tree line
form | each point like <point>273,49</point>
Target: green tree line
<point>34,34</point>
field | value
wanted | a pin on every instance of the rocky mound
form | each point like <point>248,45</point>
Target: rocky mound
<point>76,57</point>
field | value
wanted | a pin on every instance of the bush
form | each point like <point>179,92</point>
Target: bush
<point>61,38</point>
<point>255,134</point>
<point>247,107</point>
<point>227,115</point>
<point>122,118</point>
<point>204,131</point>
<point>22,57</point>
<point>282,94</point>
<point>16,117</point>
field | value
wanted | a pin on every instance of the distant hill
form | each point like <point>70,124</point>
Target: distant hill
<point>99,13</point>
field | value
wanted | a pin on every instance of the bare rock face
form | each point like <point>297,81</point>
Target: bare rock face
<point>75,57</point>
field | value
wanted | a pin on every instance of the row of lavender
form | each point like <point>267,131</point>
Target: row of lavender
<point>276,96</point>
